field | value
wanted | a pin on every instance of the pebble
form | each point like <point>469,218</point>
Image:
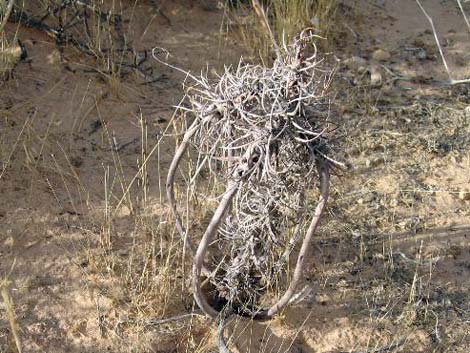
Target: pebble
<point>375,162</point>
<point>381,55</point>
<point>355,62</point>
<point>375,77</point>
<point>422,55</point>
<point>464,195</point>
<point>322,299</point>
<point>467,112</point>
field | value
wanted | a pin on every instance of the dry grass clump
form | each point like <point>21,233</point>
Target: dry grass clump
<point>136,253</point>
<point>285,18</point>
<point>129,258</point>
<point>8,56</point>
<point>290,17</point>
<point>9,53</point>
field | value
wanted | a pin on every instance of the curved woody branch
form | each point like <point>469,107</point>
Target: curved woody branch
<point>216,220</point>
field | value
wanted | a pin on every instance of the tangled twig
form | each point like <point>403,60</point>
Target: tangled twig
<point>263,132</point>
<point>79,23</point>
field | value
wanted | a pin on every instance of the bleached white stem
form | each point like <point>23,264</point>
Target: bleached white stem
<point>441,52</point>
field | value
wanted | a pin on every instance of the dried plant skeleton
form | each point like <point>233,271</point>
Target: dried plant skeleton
<point>263,133</point>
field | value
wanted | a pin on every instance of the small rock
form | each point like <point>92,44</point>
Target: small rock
<point>381,55</point>
<point>375,77</point>
<point>464,195</point>
<point>355,62</point>
<point>9,242</point>
<point>374,162</point>
<point>12,54</point>
<point>322,299</point>
<point>421,54</point>
<point>467,112</point>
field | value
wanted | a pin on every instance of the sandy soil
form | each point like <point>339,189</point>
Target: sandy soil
<point>392,260</point>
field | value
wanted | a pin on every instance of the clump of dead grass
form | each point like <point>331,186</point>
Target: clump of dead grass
<point>285,18</point>
<point>9,52</point>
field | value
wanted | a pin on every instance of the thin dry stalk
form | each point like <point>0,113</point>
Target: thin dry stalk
<point>264,22</point>
<point>265,25</point>
<point>6,14</point>
<point>11,316</point>
<point>452,81</point>
<point>6,164</point>
<point>464,14</point>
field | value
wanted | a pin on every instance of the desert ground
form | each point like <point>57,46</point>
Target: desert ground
<point>89,257</point>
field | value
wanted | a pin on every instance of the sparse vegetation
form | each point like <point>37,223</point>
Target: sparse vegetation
<point>9,54</point>
<point>286,18</point>
<point>90,259</point>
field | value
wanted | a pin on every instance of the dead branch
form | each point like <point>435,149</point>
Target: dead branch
<point>170,181</point>
<point>298,272</point>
